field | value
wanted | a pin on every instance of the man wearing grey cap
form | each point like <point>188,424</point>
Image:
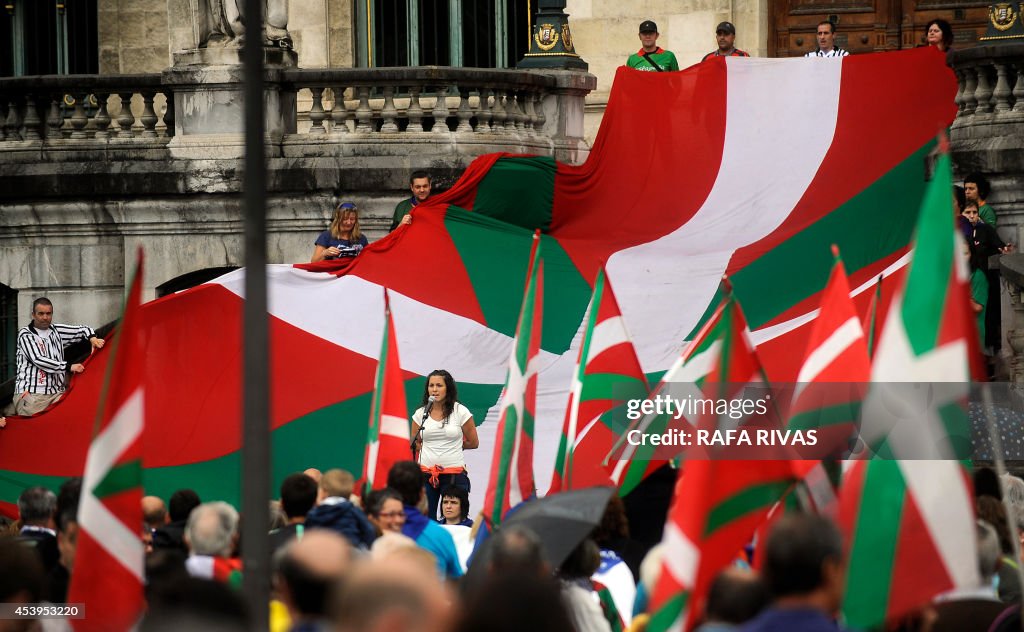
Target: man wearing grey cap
<point>726,34</point>
<point>651,57</point>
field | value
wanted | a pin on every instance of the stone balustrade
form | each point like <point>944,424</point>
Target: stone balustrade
<point>100,108</point>
<point>990,93</point>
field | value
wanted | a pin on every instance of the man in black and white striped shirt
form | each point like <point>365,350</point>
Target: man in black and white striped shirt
<point>826,36</point>
<point>42,370</point>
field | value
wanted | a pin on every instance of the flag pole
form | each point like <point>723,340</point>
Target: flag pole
<point>255,355</point>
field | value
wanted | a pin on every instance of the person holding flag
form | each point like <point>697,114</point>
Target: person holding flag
<point>442,429</point>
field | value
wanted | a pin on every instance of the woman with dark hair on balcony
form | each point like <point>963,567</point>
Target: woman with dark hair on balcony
<point>939,33</point>
<point>343,238</point>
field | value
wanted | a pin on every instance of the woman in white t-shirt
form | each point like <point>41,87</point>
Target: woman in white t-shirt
<point>447,429</point>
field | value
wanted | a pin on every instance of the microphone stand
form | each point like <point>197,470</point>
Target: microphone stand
<point>419,433</point>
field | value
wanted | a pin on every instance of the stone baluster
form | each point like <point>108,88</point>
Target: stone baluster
<point>1002,92</point>
<point>1015,335</point>
<point>148,117</point>
<point>125,118</point>
<point>54,120</point>
<point>970,90</point>
<point>415,111</point>
<point>389,112</point>
<point>32,122</point>
<point>959,100</point>
<point>316,112</point>
<point>531,114</point>
<point>339,112</point>
<point>513,125</point>
<point>79,119</point>
<point>499,114</point>
<point>364,114</point>
<point>440,111</point>
<point>464,113</point>
<point>102,118</point>
<point>12,124</point>
<point>3,118</point>
<point>1018,89</point>
<point>483,114</point>
<point>538,109</point>
<point>169,114</point>
<point>984,92</point>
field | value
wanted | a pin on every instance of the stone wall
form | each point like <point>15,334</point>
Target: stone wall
<point>133,35</point>
<point>605,34</point>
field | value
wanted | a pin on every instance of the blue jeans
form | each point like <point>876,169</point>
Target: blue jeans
<point>434,493</point>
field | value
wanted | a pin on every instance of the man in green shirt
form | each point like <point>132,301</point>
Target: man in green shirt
<point>419,184</point>
<point>652,57</point>
<point>976,189</point>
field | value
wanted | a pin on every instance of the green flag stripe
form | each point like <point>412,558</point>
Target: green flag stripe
<point>611,386</point>
<point>845,412</point>
<point>749,499</point>
<point>519,191</point>
<point>121,477</point>
<point>928,280</point>
<point>664,617</point>
<point>873,550</point>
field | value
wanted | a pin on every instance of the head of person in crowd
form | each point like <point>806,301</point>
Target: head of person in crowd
<point>454,505</point>
<point>939,33</point>
<point>313,473</point>
<point>826,35</point>
<point>972,215</point>
<point>308,571</point>
<point>67,521</point>
<point>402,593</point>
<point>345,223</point>
<point>725,34</point>
<point>391,542</point>
<point>993,512</point>
<point>988,552</point>
<point>614,525</point>
<point>582,562</point>
<point>420,185</point>
<point>337,483</point>
<point>736,596</point>
<point>976,188</point>
<point>648,36</point>
<point>518,550</point>
<point>406,478</point>
<point>21,581</point>
<point>298,495</point>
<point>442,387</point>
<point>958,200</point>
<point>37,506</point>
<point>212,529</point>
<point>42,313</point>
<point>804,564</point>
<point>191,603</point>
<point>385,511</point>
<point>513,602</point>
<point>154,511</point>
<point>182,503</point>
<point>1013,491</point>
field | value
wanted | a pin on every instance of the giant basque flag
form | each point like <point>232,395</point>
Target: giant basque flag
<point>738,166</point>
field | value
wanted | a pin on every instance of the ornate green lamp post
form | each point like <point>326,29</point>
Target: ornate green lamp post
<point>551,45</point>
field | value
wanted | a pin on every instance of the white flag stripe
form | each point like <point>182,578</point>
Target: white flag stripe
<point>394,426</point>
<point>941,496</point>
<point>821,357</point>
<point>606,334</point>
<point>118,540</point>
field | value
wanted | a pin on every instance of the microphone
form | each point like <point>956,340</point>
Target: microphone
<point>426,410</point>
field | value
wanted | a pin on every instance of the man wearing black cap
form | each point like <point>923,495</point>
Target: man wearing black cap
<point>652,57</point>
<point>726,34</point>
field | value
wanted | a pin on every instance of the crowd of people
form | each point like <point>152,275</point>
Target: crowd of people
<point>336,567</point>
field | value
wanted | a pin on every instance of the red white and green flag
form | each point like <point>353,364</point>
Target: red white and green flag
<point>748,181</point>
<point>388,439</point>
<point>607,376</point>
<point>108,573</point>
<point>718,504</point>
<point>909,517</point>
<point>511,481</point>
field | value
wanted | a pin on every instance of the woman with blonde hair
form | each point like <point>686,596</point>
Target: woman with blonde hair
<point>343,238</point>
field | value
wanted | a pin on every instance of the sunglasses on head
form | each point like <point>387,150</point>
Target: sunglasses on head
<point>346,205</point>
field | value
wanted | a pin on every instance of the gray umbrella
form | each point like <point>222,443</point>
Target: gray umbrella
<point>561,521</point>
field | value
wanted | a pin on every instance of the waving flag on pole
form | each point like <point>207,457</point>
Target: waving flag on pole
<point>511,480</point>
<point>108,572</point>
<point>607,375</point>
<point>388,439</point>
<point>718,504</point>
<point>909,519</point>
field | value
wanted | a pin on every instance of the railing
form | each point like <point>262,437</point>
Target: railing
<point>82,107</point>
<point>430,99</point>
<point>990,89</point>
